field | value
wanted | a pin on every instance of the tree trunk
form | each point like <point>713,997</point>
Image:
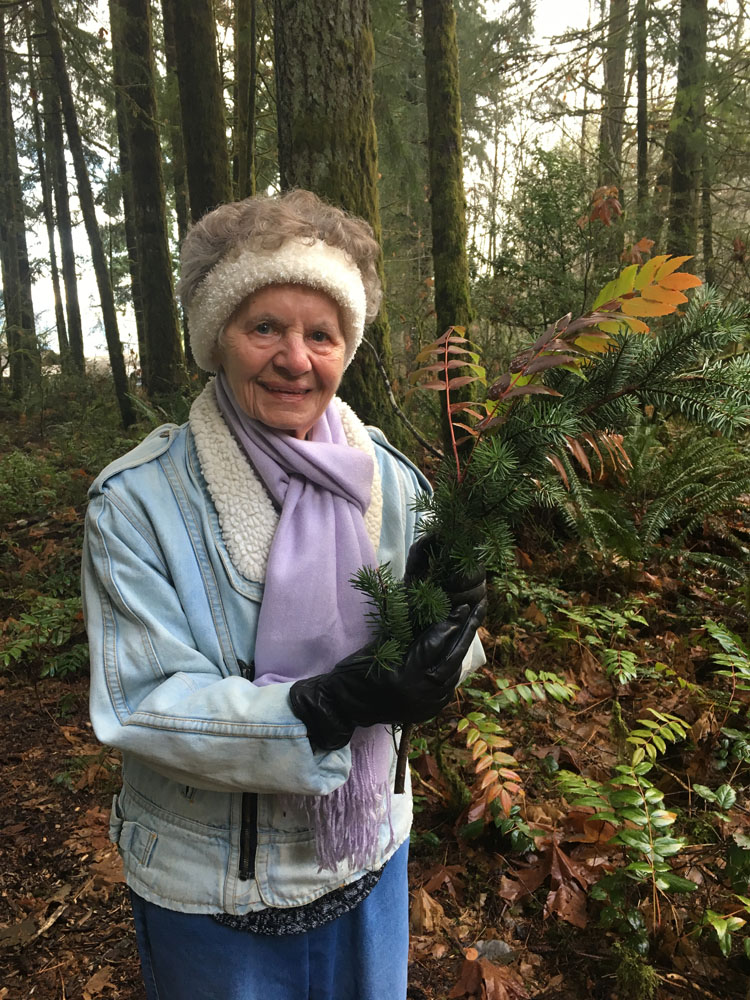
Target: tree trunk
<point>201,106</point>
<point>447,195</point>
<point>244,98</point>
<point>179,175</point>
<point>688,138</point>
<point>613,110</point>
<point>707,218</point>
<point>327,144</point>
<point>613,114</point>
<point>23,350</point>
<point>86,198</point>
<point>447,198</point>
<point>126,180</point>
<point>49,216</point>
<point>132,48</point>
<point>55,148</point>
<point>642,106</point>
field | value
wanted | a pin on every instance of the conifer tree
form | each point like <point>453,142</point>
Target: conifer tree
<point>23,350</point>
<point>86,198</point>
<point>201,106</point>
<point>132,50</point>
<point>327,144</point>
<point>688,138</point>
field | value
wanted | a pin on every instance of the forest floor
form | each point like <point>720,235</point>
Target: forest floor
<point>490,919</point>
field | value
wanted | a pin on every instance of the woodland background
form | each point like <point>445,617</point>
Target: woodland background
<point>582,809</point>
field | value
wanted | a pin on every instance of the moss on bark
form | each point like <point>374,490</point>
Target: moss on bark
<point>202,106</point>
<point>132,49</point>
<point>327,144</point>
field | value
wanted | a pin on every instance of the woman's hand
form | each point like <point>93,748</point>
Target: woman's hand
<point>461,588</point>
<point>359,692</point>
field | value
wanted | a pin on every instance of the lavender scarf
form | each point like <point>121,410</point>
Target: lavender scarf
<point>311,617</point>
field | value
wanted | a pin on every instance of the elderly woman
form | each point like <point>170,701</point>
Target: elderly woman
<point>265,855</point>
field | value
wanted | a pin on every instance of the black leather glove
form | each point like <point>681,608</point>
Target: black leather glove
<point>461,588</point>
<point>357,692</point>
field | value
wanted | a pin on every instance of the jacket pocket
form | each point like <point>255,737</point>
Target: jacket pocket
<point>137,841</point>
<point>115,820</point>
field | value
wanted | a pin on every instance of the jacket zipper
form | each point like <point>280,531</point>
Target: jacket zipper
<point>249,827</point>
<point>248,835</point>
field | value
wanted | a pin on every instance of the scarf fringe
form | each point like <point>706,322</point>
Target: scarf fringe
<point>347,821</point>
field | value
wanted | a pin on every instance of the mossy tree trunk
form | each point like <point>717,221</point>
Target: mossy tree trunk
<point>707,219</point>
<point>47,207</point>
<point>327,144</point>
<point>172,110</point>
<point>447,194</point>
<point>174,132</point>
<point>201,106</point>
<point>132,50</point>
<point>54,145</point>
<point>613,115</point>
<point>641,67</point>
<point>245,76</point>
<point>688,140</point>
<point>128,211</point>
<point>23,350</point>
<point>86,199</point>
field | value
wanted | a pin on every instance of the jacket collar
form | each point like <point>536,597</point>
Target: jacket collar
<point>247,516</point>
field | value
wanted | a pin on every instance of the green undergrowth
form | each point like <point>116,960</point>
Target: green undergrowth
<point>605,757</point>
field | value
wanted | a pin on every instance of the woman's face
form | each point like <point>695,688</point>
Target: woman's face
<point>282,352</point>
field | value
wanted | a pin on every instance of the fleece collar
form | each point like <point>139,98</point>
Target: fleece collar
<point>247,516</point>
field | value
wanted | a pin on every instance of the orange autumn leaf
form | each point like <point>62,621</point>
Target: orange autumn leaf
<point>646,307</point>
<point>656,293</point>
<point>671,265</point>
<point>646,274</point>
<point>681,281</point>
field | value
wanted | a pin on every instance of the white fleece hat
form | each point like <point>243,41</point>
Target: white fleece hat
<point>243,271</point>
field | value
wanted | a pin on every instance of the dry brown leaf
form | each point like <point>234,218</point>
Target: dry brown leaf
<point>98,982</point>
<point>427,915</point>
<point>568,901</point>
<point>449,876</point>
<point>487,981</point>
<point>533,614</point>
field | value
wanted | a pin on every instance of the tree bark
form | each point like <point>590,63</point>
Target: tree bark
<point>707,219</point>
<point>327,144</point>
<point>86,198</point>
<point>179,175</point>
<point>54,145</point>
<point>642,105</point>
<point>132,48</point>
<point>47,208</point>
<point>447,197</point>
<point>613,110</point>
<point>613,114</point>
<point>23,350</point>
<point>201,106</point>
<point>688,140</point>
<point>126,181</point>
<point>245,73</point>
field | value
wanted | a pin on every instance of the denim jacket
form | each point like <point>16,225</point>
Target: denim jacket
<point>177,536</point>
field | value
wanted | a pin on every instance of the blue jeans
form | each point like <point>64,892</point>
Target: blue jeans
<point>361,955</point>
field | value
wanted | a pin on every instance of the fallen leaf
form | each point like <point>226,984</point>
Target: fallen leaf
<point>427,915</point>
<point>448,876</point>
<point>487,981</point>
<point>98,982</point>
